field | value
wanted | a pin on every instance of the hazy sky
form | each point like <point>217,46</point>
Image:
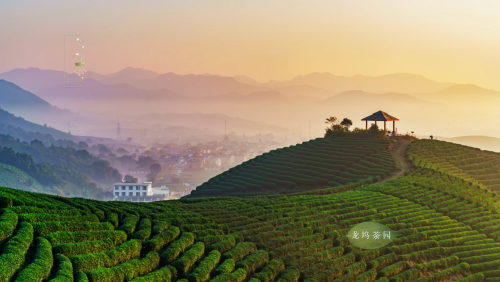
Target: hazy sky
<point>445,40</point>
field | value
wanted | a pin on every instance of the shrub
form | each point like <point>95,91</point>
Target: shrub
<point>445,274</point>
<point>222,246</point>
<point>127,251</point>
<point>264,237</point>
<point>64,270</point>
<point>321,246</point>
<point>370,254</point>
<point>125,271</point>
<point>405,249</point>
<point>208,240</point>
<point>290,227</point>
<point>226,267</point>
<point>465,248</point>
<point>14,251</point>
<point>39,269</point>
<point>291,274</point>
<point>65,237</point>
<point>275,243</point>
<point>144,230</point>
<point>254,261</point>
<point>167,273</point>
<point>159,227</point>
<point>350,277</point>
<point>478,277</point>
<point>112,218</point>
<point>39,217</point>
<point>437,264</point>
<point>356,268</point>
<point>317,257</point>
<point>176,247</point>
<point>202,272</point>
<point>352,249</point>
<point>161,239</point>
<point>8,223</point>
<point>238,275</point>
<point>89,247</point>
<point>394,269</point>
<point>129,223</point>
<point>331,264</point>
<point>460,240</point>
<point>207,232</point>
<point>300,232</point>
<point>239,252</point>
<point>423,255</point>
<point>47,227</point>
<point>255,231</point>
<point>342,241</point>
<point>368,276</point>
<point>271,270</point>
<point>196,227</point>
<point>480,252</point>
<point>408,275</point>
<point>480,259</point>
<point>311,239</point>
<point>326,275</point>
<point>81,277</point>
<point>187,260</point>
<point>285,250</point>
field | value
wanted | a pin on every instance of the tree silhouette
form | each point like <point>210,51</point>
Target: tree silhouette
<point>346,123</point>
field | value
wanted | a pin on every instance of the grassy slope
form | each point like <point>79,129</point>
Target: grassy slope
<point>15,178</point>
<point>446,220</point>
<point>310,165</point>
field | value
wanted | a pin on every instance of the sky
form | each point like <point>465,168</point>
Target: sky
<point>445,40</point>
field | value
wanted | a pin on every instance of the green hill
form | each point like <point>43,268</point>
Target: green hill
<point>15,178</point>
<point>449,227</point>
<point>7,118</point>
<point>307,166</point>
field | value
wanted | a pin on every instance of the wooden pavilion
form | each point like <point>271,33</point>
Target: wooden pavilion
<point>381,116</point>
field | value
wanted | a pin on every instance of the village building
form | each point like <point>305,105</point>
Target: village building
<point>135,192</point>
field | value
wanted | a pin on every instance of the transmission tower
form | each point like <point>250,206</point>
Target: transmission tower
<point>118,131</point>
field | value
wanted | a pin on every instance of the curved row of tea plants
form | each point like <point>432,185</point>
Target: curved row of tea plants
<point>323,162</point>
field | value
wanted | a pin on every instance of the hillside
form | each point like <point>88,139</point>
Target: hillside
<point>7,119</point>
<point>15,178</point>
<point>478,141</point>
<point>323,162</point>
<point>471,164</point>
<point>448,229</point>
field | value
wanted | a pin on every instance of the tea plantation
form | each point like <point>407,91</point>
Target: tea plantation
<point>448,219</point>
<point>307,166</point>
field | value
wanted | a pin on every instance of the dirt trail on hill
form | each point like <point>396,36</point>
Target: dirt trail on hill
<point>398,151</point>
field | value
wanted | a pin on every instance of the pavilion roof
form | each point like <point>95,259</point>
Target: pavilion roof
<point>380,116</point>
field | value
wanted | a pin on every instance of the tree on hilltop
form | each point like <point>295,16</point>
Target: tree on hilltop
<point>346,123</point>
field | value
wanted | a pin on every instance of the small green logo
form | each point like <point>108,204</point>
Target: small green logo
<point>371,235</point>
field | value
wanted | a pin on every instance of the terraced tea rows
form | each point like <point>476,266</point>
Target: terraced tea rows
<point>449,226</point>
<point>15,178</point>
<point>323,162</point>
<point>472,164</point>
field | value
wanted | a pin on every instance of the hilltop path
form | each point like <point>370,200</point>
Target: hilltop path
<point>398,151</point>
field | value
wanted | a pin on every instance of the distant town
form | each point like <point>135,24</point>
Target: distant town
<point>172,170</point>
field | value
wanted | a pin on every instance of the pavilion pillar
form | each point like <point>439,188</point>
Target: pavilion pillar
<point>375,122</point>
<point>367,125</point>
<point>385,128</point>
<point>393,125</point>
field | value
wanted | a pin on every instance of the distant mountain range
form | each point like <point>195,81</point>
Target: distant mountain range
<point>483,142</point>
<point>7,118</point>
<point>399,82</point>
<point>315,84</point>
<point>420,103</point>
